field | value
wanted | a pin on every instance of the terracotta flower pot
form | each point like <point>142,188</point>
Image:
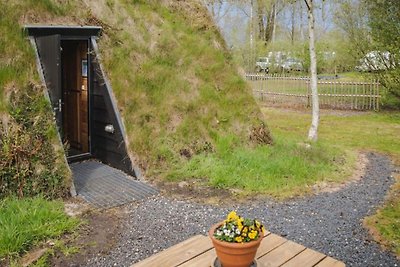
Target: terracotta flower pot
<point>234,254</point>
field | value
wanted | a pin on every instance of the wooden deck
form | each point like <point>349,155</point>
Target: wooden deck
<point>274,250</point>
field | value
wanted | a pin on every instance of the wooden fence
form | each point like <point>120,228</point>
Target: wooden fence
<point>295,91</point>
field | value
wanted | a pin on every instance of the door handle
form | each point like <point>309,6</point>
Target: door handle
<point>59,106</point>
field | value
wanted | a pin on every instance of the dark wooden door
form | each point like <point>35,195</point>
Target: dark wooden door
<point>84,97</point>
<point>75,90</point>
<point>50,57</point>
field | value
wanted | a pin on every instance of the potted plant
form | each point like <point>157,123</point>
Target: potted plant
<point>236,240</point>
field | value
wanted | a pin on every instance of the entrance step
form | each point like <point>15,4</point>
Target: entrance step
<point>106,187</point>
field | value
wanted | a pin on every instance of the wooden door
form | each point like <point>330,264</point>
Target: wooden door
<point>84,100</point>
<point>75,90</point>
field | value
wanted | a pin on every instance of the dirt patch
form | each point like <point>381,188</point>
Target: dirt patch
<point>97,236</point>
<point>260,135</point>
<point>32,256</point>
<point>195,190</point>
<point>358,173</point>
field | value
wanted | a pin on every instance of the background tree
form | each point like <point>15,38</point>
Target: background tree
<point>313,132</point>
<point>266,15</point>
<point>384,22</point>
<point>374,26</point>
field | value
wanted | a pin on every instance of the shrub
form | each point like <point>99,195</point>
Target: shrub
<point>28,161</point>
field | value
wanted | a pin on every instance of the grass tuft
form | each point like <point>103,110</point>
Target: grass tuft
<point>25,222</point>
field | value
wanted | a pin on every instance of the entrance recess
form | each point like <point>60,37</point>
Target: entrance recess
<point>81,97</point>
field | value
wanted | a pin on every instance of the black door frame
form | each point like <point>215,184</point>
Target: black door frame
<point>50,50</point>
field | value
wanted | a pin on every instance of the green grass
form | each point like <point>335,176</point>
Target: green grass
<point>288,168</point>
<point>25,222</point>
<point>359,131</point>
<point>284,170</point>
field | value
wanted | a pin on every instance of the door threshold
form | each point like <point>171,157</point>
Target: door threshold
<point>79,157</point>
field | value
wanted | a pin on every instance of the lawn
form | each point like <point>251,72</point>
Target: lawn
<point>341,130</point>
<point>283,170</point>
<point>26,222</point>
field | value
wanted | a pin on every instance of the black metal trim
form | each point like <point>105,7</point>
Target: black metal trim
<point>79,157</point>
<point>78,31</point>
<point>89,93</point>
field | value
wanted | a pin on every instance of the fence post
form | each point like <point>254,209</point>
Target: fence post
<point>356,97</point>
<point>262,88</point>
<point>378,95</point>
<point>308,93</point>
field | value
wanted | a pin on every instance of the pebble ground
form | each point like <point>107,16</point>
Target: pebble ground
<point>329,222</point>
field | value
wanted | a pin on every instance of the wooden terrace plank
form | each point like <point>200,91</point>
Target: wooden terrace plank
<point>178,254</point>
<point>330,262</point>
<point>203,260</point>
<point>281,254</point>
<point>269,243</point>
<point>306,258</point>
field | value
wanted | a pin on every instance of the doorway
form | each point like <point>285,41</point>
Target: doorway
<point>75,100</point>
<point>81,97</point>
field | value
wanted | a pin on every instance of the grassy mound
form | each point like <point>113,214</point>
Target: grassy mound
<point>175,83</point>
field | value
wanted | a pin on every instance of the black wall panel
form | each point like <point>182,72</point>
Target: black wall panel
<point>108,147</point>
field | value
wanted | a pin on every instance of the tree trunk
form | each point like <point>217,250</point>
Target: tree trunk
<point>251,52</point>
<point>293,21</point>
<point>301,22</point>
<point>261,8</point>
<point>313,132</point>
<point>273,22</point>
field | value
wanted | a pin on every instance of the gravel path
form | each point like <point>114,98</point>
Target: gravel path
<point>329,222</point>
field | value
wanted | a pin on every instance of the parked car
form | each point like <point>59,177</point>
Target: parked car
<point>263,64</point>
<point>292,64</point>
<point>376,61</point>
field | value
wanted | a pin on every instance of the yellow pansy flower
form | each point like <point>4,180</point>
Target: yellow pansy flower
<point>232,216</point>
<point>253,234</point>
<point>239,239</point>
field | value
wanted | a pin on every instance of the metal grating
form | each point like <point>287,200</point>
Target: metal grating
<point>106,187</point>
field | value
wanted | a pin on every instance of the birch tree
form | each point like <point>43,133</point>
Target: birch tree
<point>313,132</point>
